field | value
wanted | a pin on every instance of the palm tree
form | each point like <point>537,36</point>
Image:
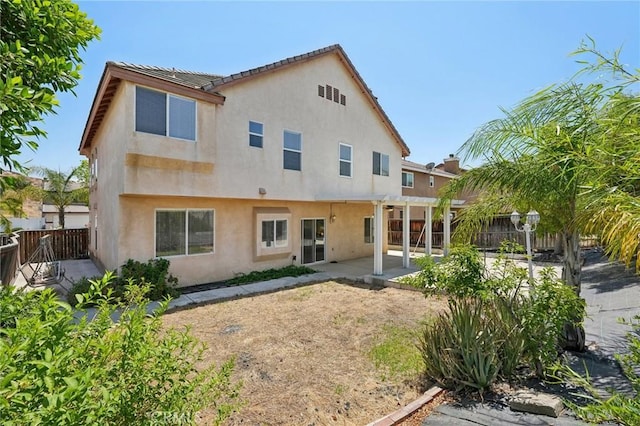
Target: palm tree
<point>62,190</point>
<point>570,152</point>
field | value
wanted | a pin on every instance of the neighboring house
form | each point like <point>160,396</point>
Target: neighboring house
<point>75,216</point>
<point>292,162</point>
<point>425,180</point>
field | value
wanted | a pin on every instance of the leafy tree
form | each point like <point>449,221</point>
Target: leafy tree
<point>121,367</point>
<point>61,190</point>
<point>40,42</point>
<point>553,152</point>
<point>612,193</point>
<point>15,190</point>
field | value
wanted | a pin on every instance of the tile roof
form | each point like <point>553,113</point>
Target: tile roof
<point>209,84</point>
<point>223,80</point>
<point>185,78</point>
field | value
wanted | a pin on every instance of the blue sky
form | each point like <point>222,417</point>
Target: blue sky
<point>439,69</point>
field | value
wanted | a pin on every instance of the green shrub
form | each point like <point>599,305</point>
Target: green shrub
<point>459,274</point>
<point>270,274</point>
<point>493,326</point>
<point>473,344</point>
<point>155,273</point>
<point>59,370</point>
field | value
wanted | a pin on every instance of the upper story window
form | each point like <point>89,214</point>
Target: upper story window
<point>345,160</point>
<point>184,232</point>
<point>380,164</point>
<point>432,181</point>
<point>163,114</point>
<point>256,134</point>
<point>292,154</point>
<point>407,179</point>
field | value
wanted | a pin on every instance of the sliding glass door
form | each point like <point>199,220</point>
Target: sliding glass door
<point>313,240</point>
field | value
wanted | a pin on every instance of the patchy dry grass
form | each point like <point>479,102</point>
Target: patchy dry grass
<point>304,355</point>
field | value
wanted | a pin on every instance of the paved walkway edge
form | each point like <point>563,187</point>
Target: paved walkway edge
<point>404,412</point>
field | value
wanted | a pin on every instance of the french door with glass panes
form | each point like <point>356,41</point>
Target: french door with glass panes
<point>313,240</point>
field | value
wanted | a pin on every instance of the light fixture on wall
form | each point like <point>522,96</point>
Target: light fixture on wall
<point>262,191</point>
<point>332,218</point>
<point>388,208</point>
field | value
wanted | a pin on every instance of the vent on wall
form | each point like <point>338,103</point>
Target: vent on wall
<point>332,94</point>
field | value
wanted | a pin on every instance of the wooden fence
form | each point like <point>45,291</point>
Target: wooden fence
<point>500,230</point>
<point>66,243</point>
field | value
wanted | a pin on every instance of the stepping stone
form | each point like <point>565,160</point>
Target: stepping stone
<point>537,403</point>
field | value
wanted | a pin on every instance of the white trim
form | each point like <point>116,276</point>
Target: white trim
<point>406,233</point>
<point>350,161</point>
<point>186,231</point>
<point>256,134</point>
<point>275,249</point>
<point>381,155</point>
<point>318,262</point>
<point>167,118</point>
<point>291,150</point>
<point>412,179</point>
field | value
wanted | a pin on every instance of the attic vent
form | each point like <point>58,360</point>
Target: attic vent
<point>332,94</point>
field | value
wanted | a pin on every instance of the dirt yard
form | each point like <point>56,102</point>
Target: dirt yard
<point>303,354</point>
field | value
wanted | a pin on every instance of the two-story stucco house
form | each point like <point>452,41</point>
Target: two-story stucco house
<point>426,180</point>
<point>292,162</point>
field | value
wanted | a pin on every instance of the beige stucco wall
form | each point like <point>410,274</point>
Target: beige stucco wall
<point>235,234</point>
<point>139,173</point>
<point>221,163</point>
<point>109,148</point>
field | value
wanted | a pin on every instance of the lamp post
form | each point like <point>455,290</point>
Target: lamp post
<point>533,217</point>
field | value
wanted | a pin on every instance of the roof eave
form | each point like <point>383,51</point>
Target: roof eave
<point>109,82</point>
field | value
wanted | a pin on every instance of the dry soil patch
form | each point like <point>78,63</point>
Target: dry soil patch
<point>302,354</point>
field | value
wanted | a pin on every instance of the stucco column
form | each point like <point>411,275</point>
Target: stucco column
<point>428,230</point>
<point>377,239</point>
<point>447,230</point>
<point>406,240</point>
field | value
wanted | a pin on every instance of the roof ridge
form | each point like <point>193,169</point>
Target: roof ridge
<point>159,68</point>
<point>289,60</point>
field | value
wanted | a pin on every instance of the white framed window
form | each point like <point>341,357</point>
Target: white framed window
<point>432,181</point>
<point>346,163</point>
<point>407,179</point>
<point>272,232</point>
<point>275,233</point>
<point>182,232</point>
<point>164,114</point>
<point>292,150</point>
<point>380,164</point>
<point>256,134</point>
<point>368,230</point>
